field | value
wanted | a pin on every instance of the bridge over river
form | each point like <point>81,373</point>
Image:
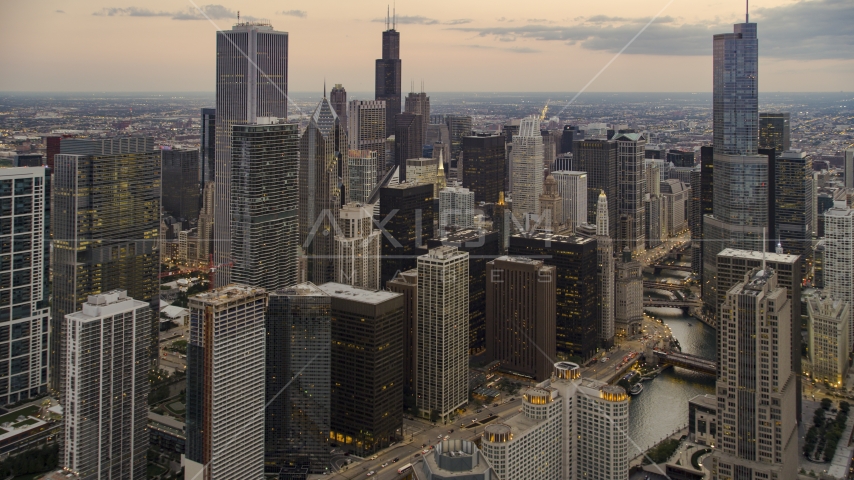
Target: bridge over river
<point>684,360</point>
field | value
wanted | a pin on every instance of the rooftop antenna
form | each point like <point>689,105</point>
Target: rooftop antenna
<point>387,16</point>
<point>394,17</point>
<point>238,16</point>
<point>747,12</point>
<point>422,85</point>
<point>324,87</point>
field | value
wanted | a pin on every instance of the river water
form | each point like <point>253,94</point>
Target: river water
<point>662,407</point>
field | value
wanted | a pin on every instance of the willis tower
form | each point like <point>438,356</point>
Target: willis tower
<point>388,75</point>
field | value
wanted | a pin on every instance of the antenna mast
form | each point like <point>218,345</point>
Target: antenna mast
<point>387,16</point>
<point>747,12</point>
<point>394,17</point>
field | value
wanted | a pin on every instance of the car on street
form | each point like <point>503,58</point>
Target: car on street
<point>384,465</point>
<point>371,473</point>
<point>395,459</point>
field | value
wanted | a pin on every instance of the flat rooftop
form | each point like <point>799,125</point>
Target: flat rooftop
<point>306,289</point>
<point>754,255</point>
<point>363,295</point>
<point>226,294</point>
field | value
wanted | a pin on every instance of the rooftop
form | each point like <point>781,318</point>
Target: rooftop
<point>106,304</point>
<point>306,289</point>
<point>226,294</point>
<point>363,295</point>
<point>754,255</point>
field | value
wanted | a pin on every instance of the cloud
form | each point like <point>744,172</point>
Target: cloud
<point>294,13</point>
<point>410,20</point>
<point>458,21</point>
<point>807,29</point>
<point>60,11</point>
<point>214,12</point>
<point>504,49</point>
<point>129,12</point>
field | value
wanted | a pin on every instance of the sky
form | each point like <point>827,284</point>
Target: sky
<point>450,45</point>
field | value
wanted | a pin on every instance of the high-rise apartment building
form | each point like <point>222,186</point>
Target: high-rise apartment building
<point>298,379</point>
<point>828,339</point>
<point>631,230</point>
<point>105,407</point>
<point>775,131</point>
<point>423,170</point>
<point>361,175</point>
<point>419,103</point>
<point>570,428</point>
<point>572,187</point>
<point>839,257</point>
<point>387,77</point>
<point>456,208</point>
<point>207,147</point>
<point>367,367</point>
<point>104,238</point>
<point>180,181</point>
<point>226,383</point>
<point>408,139</point>
<point>735,101</point>
<point>406,218</point>
<point>628,298</point>
<point>460,459</point>
<point>366,130</point>
<point>322,148</point>
<point>575,259</point>
<point>406,284</point>
<point>338,100</point>
<point>205,230</point>
<point>484,167</point>
<point>677,208</point>
<point>795,199</point>
<point>441,380</point>
<point>24,310</point>
<point>527,169</point>
<point>264,231</point>
<point>251,82</point>
<point>357,248</point>
<point>756,388</point>
<point>848,167</point>
<point>599,159</point>
<point>520,316</point>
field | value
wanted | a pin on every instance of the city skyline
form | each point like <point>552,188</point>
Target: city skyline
<point>803,50</point>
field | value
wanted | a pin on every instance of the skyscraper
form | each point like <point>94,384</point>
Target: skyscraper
<point>388,74</point>
<point>681,158</point>
<point>180,180</point>
<point>406,284</point>
<point>323,147</point>
<point>527,166</point>
<point>361,175</point>
<point>207,147</point>
<point>441,381</point>
<point>251,82</point>
<point>366,130</point>
<point>848,167</point>
<point>338,100</point>
<point>264,231</point>
<point>423,170</point>
<point>628,298</point>
<point>204,230</point>
<point>794,197</point>
<point>456,208</point>
<point>357,248</point>
<point>367,367</point>
<point>520,316</point>
<point>756,388</point>
<point>735,101</point>
<point>572,187</point>
<point>408,139</point>
<point>599,159</point>
<point>630,192</point>
<point>104,238</point>
<point>839,257</point>
<point>106,392</point>
<point>483,166</point>
<point>23,309</point>
<point>225,362</point>
<point>298,379</point>
<point>419,104</point>
<point>774,131</point>
<point>605,272</point>
<point>406,218</point>
<point>459,126</point>
<point>828,339</point>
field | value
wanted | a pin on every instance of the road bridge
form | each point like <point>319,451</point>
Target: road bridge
<point>658,267</point>
<point>684,360</point>
<point>673,287</point>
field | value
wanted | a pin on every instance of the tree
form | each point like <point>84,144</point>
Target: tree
<point>434,416</point>
<point>844,406</point>
<point>826,403</point>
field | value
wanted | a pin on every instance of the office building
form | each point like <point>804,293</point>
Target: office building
<point>735,111</point>
<point>677,203</point>
<point>848,167</point>
<point>104,238</point>
<point>226,383</point>
<point>628,298</point>
<point>366,130</point>
<point>527,170</point>
<point>387,77</point>
<point>570,428</point>
<point>298,379</point>
<point>839,257</point>
<point>456,208</point>
<point>24,309</point>
<point>406,284</point>
<point>795,204</point>
<point>264,188</point>
<point>204,229</point>
<point>774,131</point>
<point>28,160</point>
<point>408,139</point>
<point>605,273</point>
<point>322,148</point>
<point>655,210</point>
<point>357,248</point>
<point>520,316</point>
<point>406,218</point>
<point>419,103</point>
<point>681,158</point>
<point>756,387</point>
<point>251,82</point>
<point>459,127</point>
<point>599,159</point>
<point>695,219</point>
<point>572,187</point>
<point>423,170</point>
<point>452,459</point>
<point>828,339</point>
<point>338,100</point>
<point>484,167</point>
<point>180,180</point>
<point>207,147</point>
<point>550,214</point>
<point>441,380</point>
<point>361,175</point>
<point>570,135</point>
<point>575,259</point>
<point>105,408</point>
<point>630,192</point>
<point>367,368</point>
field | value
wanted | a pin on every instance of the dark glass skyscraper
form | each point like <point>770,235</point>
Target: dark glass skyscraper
<point>793,220</point>
<point>207,147</point>
<point>408,139</point>
<point>735,95</point>
<point>388,72</point>
<point>338,100</point>
<point>181,183</point>
<point>774,131</point>
<point>406,216</point>
<point>599,159</point>
<point>484,166</point>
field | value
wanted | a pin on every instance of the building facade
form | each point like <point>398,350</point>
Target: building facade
<point>527,170</point>
<point>828,339</point>
<point>406,284</point>
<point>366,130</point>
<point>406,218</point>
<point>357,248</point>
<point>338,100</point>
<point>775,131</point>
<point>839,257</point>
<point>795,204</point>
<point>631,230</point>
<point>628,298</point>
<point>180,180</point>
<point>387,77</point>
<point>484,167</point>
<point>599,159</point>
<point>408,139</point>
<point>572,187</point>
<point>423,170</point>
<point>456,208</point>
<point>361,175</point>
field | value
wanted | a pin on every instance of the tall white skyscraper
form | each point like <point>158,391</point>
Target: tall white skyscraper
<point>443,326</point>
<point>225,384</point>
<point>570,428</point>
<point>357,248</point>
<point>456,208</point>
<point>849,168</point>
<point>366,129</point>
<point>105,407</point>
<point>605,271</point>
<point>839,257</point>
<point>572,187</point>
<point>756,388</point>
<point>251,82</point>
<point>526,167</point>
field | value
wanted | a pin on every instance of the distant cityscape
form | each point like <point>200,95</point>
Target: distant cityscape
<point>255,283</point>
